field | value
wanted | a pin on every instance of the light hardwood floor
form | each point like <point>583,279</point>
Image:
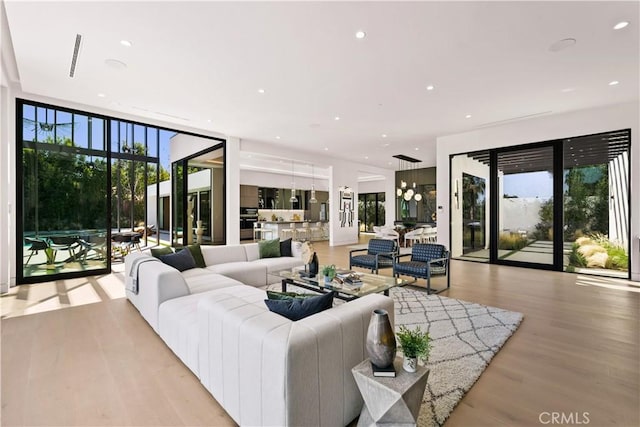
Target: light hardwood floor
<point>576,351</point>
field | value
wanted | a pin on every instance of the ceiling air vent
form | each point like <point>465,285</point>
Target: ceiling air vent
<point>74,58</point>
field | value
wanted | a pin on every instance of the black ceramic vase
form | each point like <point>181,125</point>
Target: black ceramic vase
<point>313,266</point>
<point>381,340</point>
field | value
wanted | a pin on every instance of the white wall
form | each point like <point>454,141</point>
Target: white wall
<point>377,186</point>
<point>584,122</point>
<point>281,180</point>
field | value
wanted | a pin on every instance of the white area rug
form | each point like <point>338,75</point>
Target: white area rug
<point>464,337</point>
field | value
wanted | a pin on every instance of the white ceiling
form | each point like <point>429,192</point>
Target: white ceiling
<point>194,62</point>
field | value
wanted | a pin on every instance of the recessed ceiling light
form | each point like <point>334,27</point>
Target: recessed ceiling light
<point>468,116</point>
<point>613,83</point>
<point>249,155</point>
<point>126,43</point>
<point>366,157</point>
<point>277,137</point>
<point>568,89</point>
<point>620,25</point>
<point>384,135</point>
<point>389,163</point>
<point>326,148</point>
<point>101,95</point>
<point>417,148</point>
<point>385,145</point>
<point>360,34</point>
<point>260,90</point>
<point>336,118</point>
<point>431,87</point>
<point>562,44</point>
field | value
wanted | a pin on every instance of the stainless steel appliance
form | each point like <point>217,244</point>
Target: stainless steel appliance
<point>248,217</point>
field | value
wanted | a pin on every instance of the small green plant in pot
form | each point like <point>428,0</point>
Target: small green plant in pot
<point>415,345</point>
<point>329,272</point>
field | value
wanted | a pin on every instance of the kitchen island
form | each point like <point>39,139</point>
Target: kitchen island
<point>304,230</point>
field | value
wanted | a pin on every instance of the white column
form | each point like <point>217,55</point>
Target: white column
<point>232,183</point>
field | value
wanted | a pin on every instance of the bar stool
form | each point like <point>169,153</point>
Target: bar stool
<point>304,231</point>
<point>286,232</point>
<point>260,232</point>
<point>315,231</point>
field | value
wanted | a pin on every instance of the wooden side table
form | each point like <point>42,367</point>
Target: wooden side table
<point>390,400</point>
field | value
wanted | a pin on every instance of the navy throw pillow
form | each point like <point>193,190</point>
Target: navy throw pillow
<point>181,261</point>
<point>285,247</point>
<point>296,309</point>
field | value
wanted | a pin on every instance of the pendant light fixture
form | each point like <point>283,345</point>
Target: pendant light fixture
<point>406,191</point>
<point>293,198</point>
<point>313,187</point>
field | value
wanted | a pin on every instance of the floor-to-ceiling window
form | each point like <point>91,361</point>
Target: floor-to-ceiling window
<point>558,205</point>
<point>198,183</point>
<point>371,211</point>
<point>91,188</point>
<point>62,204</point>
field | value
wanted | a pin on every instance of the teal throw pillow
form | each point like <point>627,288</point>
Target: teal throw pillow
<point>196,253</point>
<point>269,248</point>
<point>162,250</point>
<point>296,308</point>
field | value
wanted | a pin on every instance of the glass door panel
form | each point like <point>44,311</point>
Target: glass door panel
<point>470,177</point>
<point>525,206</point>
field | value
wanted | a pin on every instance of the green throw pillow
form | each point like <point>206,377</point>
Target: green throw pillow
<point>288,295</point>
<point>269,248</point>
<point>196,252</point>
<point>163,250</point>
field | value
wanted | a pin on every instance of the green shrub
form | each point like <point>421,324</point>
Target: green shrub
<point>512,242</point>
<point>575,258</point>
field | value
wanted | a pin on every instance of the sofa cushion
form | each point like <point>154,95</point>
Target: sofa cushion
<point>162,250</point>
<point>285,247</point>
<point>269,248</point>
<point>209,281</point>
<point>218,254</point>
<point>181,261</point>
<point>278,264</point>
<point>296,309</point>
<point>196,253</point>
<point>252,250</point>
<point>249,273</point>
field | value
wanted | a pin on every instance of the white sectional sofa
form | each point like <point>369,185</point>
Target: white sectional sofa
<point>263,368</point>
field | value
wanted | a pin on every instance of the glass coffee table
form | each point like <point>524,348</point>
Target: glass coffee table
<point>371,284</point>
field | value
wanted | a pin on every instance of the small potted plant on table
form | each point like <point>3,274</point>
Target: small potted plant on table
<point>329,272</point>
<point>415,345</point>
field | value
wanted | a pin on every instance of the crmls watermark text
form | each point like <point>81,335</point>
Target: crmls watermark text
<point>573,418</point>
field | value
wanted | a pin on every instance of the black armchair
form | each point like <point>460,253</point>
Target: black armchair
<point>427,259</point>
<point>36,245</point>
<point>379,254</point>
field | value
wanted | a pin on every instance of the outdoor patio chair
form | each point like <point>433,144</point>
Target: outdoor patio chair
<point>95,243</point>
<point>65,243</point>
<point>380,253</point>
<point>427,259</point>
<point>36,245</point>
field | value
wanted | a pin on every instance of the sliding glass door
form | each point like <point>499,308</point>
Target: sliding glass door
<point>561,205</point>
<point>525,205</point>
